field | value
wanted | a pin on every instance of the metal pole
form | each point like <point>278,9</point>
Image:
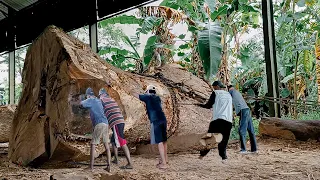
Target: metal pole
<point>270,56</point>
<point>11,77</point>
<point>93,33</point>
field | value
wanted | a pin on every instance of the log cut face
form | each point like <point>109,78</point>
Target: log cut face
<point>290,129</point>
<point>58,68</point>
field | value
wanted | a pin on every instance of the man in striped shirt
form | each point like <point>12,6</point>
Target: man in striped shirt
<point>116,123</point>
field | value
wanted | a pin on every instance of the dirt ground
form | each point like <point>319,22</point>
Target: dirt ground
<point>277,159</point>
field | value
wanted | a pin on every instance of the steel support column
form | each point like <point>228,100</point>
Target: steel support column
<point>270,57</point>
<point>11,77</point>
<point>93,33</point>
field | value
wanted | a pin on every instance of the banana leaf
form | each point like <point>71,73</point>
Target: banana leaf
<point>209,46</point>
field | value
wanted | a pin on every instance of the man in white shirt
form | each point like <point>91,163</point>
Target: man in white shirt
<point>221,103</point>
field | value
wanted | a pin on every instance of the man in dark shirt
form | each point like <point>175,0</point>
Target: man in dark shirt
<point>158,122</point>
<point>221,103</point>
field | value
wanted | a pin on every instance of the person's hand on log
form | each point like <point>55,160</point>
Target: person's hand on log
<point>108,83</point>
<point>136,95</point>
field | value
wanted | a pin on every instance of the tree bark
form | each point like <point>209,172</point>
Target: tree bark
<point>58,68</point>
<point>290,129</point>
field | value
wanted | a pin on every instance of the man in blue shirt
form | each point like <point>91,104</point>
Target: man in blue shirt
<point>158,122</point>
<point>99,123</point>
<point>243,111</point>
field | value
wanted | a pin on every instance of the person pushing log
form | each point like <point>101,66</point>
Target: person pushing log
<point>221,103</point>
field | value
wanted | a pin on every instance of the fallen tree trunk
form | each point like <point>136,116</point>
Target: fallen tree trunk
<point>58,68</point>
<point>290,129</point>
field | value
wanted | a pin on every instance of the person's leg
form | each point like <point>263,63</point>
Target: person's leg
<point>121,142</point>
<point>92,149</point>
<point>243,124</point>
<point>96,134</point>
<point>114,146</point>
<point>106,146</point>
<point>162,156</point>
<point>161,138</point>
<point>253,141</point>
<point>164,138</point>
<point>222,146</point>
<point>127,154</point>
<point>165,151</point>
<point>213,128</point>
<point>115,151</point>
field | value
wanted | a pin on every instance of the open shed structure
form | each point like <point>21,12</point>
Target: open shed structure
<point>21,21</point>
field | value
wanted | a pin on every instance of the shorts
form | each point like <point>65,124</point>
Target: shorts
<point>117,137</point>
<point>100,130</point>
<point>158,133</point>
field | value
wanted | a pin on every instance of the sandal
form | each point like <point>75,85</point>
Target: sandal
<point>115,162</point>
<point>162,167</point>
<point>107,168</point>
<point>126,167</point>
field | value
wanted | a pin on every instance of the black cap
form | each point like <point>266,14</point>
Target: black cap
<point>218,83</point>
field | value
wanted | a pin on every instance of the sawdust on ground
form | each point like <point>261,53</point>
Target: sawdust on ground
<point>277,159</point>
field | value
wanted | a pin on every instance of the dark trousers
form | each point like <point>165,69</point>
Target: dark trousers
<point>246,124</point>
<point>220,126</point>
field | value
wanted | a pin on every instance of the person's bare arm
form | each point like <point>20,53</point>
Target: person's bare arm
<point>136,95</point>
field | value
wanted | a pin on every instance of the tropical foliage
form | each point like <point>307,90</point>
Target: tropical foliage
<point>221,39</point>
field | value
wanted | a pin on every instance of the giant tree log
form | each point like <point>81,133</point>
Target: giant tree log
<point>290,129</point>
<point>58,68</point>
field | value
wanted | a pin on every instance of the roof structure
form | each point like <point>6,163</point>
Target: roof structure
<point>16,5</point>
<point>21,21</point>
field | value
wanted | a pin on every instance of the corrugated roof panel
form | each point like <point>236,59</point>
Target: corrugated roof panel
<point>19,4</point>
<point>3,8</point>
<point>1,16</point>
<point>3,11</point>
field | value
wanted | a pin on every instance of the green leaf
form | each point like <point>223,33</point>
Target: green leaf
<point>123,19</point>
<point>192,28</point>
<point>248,8</point>
<point>220,12</point>
<point>285,93</point>
<point>149,48</point>
<point>298,15</point>
<point>301,3</point>
<point>181,53</point>
<point>181,36</point>
<point>209,46</point>
<point>251,94</point>
<point>243,1</point>
<point>307,62</point>
<point>211,4</point>
<point>149,23</point>
<point>184,46</point>
<point>128,41</point>
<point>169,3</point>
<point>289,77</point>
<point>107,50</point>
